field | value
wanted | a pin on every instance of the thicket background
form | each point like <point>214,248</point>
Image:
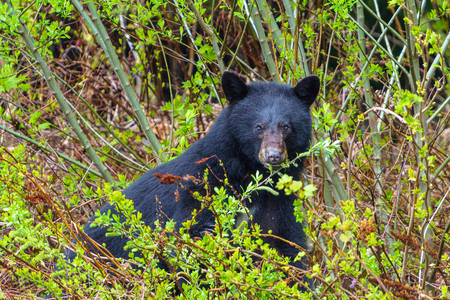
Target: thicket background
<point>93,94</point>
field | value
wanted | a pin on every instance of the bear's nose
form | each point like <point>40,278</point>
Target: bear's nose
<point>274,156</point>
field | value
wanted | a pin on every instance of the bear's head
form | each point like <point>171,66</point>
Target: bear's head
<point>270,122</point>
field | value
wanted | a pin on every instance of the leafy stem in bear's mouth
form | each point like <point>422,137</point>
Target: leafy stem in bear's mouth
<point>275,167</point>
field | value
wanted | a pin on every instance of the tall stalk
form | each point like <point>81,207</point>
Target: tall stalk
<point>375,134</point>
<point>420,138</point>
<point>257,21</point>
<point>100,34</point>
<point>290,14</point>
<point>209,31</point>
<point>51,81</point>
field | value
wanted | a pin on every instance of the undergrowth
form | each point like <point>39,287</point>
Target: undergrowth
<point>94,94</point>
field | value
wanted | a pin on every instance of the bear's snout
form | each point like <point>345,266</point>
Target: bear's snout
<point>274,156</point>
<point>273,149</point>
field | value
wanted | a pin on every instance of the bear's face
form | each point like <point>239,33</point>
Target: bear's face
<point>272,151</point>
<point>270,122</point>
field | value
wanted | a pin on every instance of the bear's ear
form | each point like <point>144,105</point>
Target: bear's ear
<point>233,87</point>
<point>308,88</point>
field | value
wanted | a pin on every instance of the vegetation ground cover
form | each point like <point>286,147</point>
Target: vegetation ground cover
<point>93,94</point>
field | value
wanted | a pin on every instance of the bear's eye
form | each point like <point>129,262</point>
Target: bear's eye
<point>258,128</point>
<point>286,127</point>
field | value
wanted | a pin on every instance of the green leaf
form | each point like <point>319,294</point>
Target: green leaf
<point>309,190</point>
<point>44,126</point>
<point>345,237</point>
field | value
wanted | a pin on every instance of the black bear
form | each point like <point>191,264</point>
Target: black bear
<point>264,124</point>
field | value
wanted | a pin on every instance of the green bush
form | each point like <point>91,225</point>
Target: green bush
<point>94,94</point>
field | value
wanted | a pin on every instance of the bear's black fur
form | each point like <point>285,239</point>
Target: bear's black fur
<point>264,124</point>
